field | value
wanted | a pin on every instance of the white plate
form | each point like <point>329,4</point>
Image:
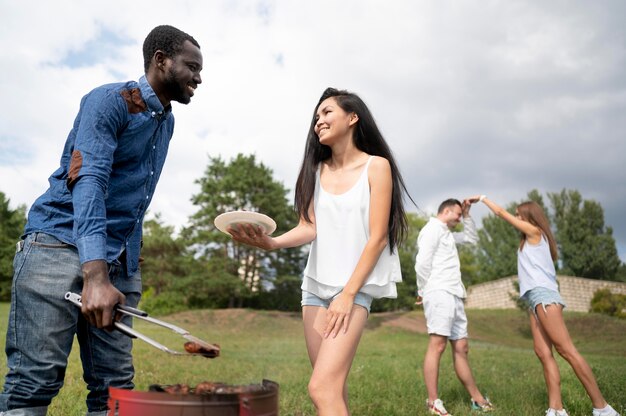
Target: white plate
<point>223,221</point>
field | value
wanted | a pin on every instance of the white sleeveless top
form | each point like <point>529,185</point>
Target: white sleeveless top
<point>535,267</point>
<point>342,224</point>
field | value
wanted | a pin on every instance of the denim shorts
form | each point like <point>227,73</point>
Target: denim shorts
<point>361,299</point>
<point>542,296</point>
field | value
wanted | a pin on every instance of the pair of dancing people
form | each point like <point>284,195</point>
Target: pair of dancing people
<point>441,291</point>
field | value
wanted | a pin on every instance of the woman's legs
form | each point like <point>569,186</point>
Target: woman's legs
<point>552,324</point>
<point>331,359</point>
<point>543,349</point>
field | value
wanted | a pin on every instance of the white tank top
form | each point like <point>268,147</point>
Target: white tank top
<point>342,224</point>
<point>535,267</point>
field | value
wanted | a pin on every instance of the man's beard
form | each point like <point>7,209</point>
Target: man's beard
<point>176,90</point>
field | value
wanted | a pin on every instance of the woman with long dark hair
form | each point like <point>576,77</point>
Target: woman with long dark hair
<point>349,197</point>
<point>538,288</point>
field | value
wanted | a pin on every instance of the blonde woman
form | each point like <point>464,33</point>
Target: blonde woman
<point>538,288</point>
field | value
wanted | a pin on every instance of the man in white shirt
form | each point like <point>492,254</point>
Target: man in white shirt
<point>439,284</point>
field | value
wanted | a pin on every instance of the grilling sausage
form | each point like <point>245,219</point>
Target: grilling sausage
<point>195,348</point>
<point>207,387</point>
<point>177,389</point>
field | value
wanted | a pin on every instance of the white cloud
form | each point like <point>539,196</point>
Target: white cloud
<point>473,96</point>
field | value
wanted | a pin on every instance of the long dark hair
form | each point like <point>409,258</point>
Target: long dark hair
<point>533,213</point>
<point>367,138</point>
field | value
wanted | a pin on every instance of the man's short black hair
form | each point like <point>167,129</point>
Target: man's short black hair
<point>167,39</point>
<point>448,203</point>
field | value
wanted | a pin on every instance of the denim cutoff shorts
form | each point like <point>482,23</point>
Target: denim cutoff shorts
<point>542,296</point>
<point>361,299</point>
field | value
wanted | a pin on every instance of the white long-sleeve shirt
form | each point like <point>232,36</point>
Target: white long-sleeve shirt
<point>437,262</point>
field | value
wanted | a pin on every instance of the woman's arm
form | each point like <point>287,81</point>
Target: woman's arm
<point>254,235</point>
<point>532,233</point>
<point>381,186</point>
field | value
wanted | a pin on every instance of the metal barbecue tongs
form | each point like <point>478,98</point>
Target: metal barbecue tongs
<point>209,350</point>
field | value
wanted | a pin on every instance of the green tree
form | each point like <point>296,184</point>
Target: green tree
<point>175,280</point>
<point>407,290</point>
<point>205,284</point>
<point>497,247</point>
<point>12,223</point>
<point>620,276</point>
<point>162,255</point>
<point>587,248</point>
<point>470,266</point>
<point>243,184</point>
<point>210,285</point>
<point>285,295</point>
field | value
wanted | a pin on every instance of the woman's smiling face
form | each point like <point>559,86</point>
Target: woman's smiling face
<point>332,122</point>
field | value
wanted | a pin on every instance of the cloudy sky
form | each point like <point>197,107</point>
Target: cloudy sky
<point>493,97</point>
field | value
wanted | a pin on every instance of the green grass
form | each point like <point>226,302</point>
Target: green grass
<point>386,377</point>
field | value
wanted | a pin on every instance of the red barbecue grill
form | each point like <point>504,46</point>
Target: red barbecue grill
<point>250,400</point>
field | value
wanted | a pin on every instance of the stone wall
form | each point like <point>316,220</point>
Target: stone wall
<point>576,292</point>
<point>495,294</point>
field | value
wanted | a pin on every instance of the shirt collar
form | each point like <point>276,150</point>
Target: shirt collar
<point>440,223</point>
<point>151,99</point>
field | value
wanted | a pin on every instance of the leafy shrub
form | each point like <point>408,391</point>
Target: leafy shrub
<point>522,305</point>
<point>285,295</point>
<point>612,304</point>
<point>162,304</point>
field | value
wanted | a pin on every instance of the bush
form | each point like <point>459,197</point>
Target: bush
<point>522,305</point>
<point>162,304</point>
<point>285,295</point>
<point>612,304</point>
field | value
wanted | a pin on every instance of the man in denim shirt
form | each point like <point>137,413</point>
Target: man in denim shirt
<point>84,233</point>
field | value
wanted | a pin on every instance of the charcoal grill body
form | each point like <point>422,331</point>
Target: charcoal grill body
<point>256,402</point>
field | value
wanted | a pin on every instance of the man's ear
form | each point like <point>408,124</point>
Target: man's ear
<point>158,59</point>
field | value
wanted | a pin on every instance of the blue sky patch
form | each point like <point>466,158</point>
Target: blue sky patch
<point>10,154</point>
<point>105,45</point>
<point>279,59</point>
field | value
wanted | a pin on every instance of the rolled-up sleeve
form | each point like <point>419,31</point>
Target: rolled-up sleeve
<point>469,235</point>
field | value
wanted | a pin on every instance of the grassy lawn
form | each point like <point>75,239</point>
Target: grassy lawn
<point>386,376</point>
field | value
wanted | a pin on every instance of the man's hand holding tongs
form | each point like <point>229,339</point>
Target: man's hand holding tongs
<point>195,346</point>
<point>99,296</point>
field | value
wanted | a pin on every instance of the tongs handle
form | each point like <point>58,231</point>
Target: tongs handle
<point>131,311</point>
<point>76,300</point>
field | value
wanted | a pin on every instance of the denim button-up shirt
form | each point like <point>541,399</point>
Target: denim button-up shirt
<point>110,166</point>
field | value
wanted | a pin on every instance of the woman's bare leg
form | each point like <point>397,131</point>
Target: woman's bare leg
<point>553,325</point>
<point>331,359</point>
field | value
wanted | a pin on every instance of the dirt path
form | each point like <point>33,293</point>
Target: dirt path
<point>413,321</point>
<point>409,321</point>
